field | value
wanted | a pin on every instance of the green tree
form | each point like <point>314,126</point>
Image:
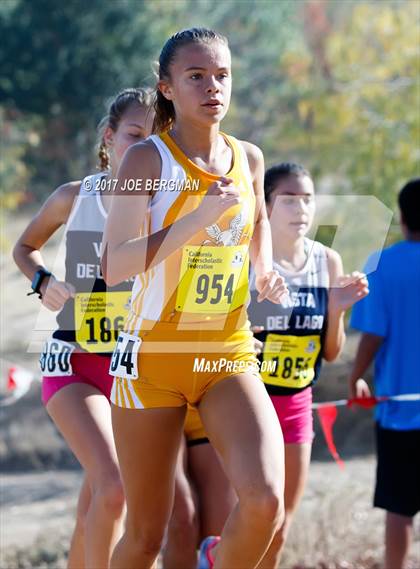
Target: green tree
<point>59,62</point>
<point>358,123</point>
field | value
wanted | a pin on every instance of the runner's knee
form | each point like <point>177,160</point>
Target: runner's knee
<point>264,503</point>
<point>110,495</point>
<point>184,522</point>
<point>145,543</point>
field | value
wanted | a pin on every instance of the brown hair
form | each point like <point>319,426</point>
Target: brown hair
<point>117,108</point>
<point>164,109</point>
<point>274,175</point>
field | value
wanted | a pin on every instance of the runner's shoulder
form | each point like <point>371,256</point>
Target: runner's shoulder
<point>333,256</point>
<point>144,154</point>
<point>62,199</point>
<point>254,154</point>
<point>67,191</point>
<point>334,261</point>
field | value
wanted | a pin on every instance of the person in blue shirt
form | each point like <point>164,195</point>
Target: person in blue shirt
<point>389,319</point>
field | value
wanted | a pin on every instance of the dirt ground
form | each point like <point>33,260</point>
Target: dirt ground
<point>335,527</point>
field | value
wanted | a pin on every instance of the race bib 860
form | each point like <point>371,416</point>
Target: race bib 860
<point>55,358</point>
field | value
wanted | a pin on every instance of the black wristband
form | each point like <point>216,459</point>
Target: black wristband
<point>39,276</point>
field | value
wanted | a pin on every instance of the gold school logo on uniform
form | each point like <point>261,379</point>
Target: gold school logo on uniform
<point>231,236</point>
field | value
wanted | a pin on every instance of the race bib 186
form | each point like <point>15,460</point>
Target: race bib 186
<point>124,359</point>
<point>292,359</point>
<point>99,318</point>
<point>55,358</point>
<point>213,279</point>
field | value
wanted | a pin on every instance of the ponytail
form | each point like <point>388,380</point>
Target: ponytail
<point>104,162</point>
<point>164,114</point>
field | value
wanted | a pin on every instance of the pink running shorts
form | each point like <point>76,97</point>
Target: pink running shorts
<point>87,368</point>
<point>295,416</point>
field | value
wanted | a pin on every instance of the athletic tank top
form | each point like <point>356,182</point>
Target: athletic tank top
<point>294,330</point>
<point>206,280</point>
<point>93,318</point>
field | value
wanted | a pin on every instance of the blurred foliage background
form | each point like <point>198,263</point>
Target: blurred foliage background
<point>331,84</point>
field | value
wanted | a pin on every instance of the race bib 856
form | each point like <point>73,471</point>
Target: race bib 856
<point>292,359</point>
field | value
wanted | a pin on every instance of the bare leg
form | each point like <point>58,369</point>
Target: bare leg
<point>242,425</point>
<point>83,416</point>
<point>76,559</point>
<point>398,537</point>
<point>180,551</point>
<point>216,496</point>
<point>297,459</point>
<point>147,442</point>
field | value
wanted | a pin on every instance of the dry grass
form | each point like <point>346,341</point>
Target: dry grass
<point>335,528</point>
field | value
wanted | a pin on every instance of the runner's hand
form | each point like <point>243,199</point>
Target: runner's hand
<point>258,345</point>
<point>220,196</point>
<point>359,388</point>
<point>55,293</point>
<point>347,290</point>
<point>271,286</point>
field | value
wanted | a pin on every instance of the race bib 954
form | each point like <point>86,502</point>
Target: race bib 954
<point>213,279</point>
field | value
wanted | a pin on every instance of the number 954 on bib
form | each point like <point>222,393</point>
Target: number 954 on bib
<point>213,279</point>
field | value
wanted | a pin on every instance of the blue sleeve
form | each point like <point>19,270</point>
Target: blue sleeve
<point>369,315</point>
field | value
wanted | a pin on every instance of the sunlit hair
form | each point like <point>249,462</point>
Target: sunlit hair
<point>117,108</point>
<point>164,109</point>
